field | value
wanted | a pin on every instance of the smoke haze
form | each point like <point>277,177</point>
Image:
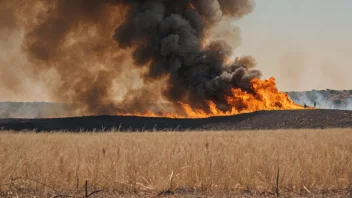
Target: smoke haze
<point>113,56</point>
<point>299,44</point>
<point>324,99</point>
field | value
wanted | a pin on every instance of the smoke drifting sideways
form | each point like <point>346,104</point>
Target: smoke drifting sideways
<point>324,99</point>
<point>13,70</point>
<point>112,56</point>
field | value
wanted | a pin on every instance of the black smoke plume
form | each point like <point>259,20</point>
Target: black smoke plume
<point>166,39</point>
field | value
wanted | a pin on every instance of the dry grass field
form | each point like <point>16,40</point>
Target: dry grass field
<point>212,163</point>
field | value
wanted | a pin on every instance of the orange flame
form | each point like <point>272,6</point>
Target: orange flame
<point>265,96</point>
<point>192,6</point>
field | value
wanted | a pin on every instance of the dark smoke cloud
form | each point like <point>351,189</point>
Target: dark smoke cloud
<point>165,39</point>
<point>171,36</point>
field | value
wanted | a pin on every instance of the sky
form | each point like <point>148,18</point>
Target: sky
<point>304,44</point>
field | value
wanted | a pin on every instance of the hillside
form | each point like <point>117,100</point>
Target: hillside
<point>294,119</point>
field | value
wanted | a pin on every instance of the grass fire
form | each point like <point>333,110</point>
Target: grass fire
<point>96,51</point>
<point>264,96</point>
<point>160,98</point>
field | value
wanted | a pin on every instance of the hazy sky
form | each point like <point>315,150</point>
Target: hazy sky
<point>305,44</point>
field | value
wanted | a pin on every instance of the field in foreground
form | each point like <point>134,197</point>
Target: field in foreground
<point>194,164</point>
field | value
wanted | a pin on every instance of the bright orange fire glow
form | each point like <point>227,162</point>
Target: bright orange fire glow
<point>192,6</point>
<point>265,96</point>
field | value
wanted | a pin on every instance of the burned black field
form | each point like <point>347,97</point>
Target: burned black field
<point>262,120</point>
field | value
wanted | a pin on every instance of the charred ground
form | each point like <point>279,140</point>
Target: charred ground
<point>294,119</point>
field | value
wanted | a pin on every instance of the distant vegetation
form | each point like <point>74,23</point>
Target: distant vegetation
<point>324,99</point>
<point>34,109</point>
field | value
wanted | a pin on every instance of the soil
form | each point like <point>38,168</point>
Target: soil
<point>262,120</point>
<point>179,193</point>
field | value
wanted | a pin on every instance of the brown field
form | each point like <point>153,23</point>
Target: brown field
<point>194,164</point>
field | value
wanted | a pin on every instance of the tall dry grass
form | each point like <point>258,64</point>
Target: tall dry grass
<point>309,160</point>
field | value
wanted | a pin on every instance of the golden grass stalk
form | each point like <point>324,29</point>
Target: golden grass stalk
<point>309,161</point>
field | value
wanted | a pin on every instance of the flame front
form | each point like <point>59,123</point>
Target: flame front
<point>192,6</point>
<point>265,96</point>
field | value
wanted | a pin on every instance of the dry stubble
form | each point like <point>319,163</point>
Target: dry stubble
<point>309,161</point>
